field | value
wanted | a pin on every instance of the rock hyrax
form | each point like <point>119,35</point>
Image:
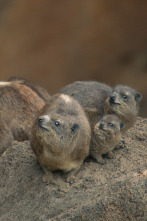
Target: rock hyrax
<point>98,98</point>
<point>61,136</point>
<point>90,94</point>
<point>42,92</point>
<point>19,105</point>
<point>124,102</point>
<point>107,134</point>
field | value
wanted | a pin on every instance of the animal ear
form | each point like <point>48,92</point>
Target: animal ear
<point>74,127</point>
<point>122,125</point>
<point>138,97</point>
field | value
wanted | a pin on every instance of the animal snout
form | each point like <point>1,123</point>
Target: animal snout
<point>42,119</point>
<point>101,126</point>
<point>74,127</point>
<point>112,98</point>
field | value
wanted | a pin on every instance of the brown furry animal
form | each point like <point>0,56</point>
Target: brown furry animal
<point>42,93</point>
<point>124,102</point>
<point>98,99</point>
<point>61,137</point>
<point>19,105</point>
<point>90,94</point>
<point>107,134</point>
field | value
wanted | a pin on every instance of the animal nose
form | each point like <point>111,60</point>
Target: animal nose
<point>44,118</point>
<point>112,98</point>
<point>101,126</point>
<point>74,127</point>
<point>40,120</point>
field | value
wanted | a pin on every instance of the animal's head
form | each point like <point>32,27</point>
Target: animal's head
<point>108,129</point>
<point>123,102</point>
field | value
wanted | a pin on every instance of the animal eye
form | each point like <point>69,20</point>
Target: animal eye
<point>124,96</point>
<point>57,123</point>
<point>111,124</point>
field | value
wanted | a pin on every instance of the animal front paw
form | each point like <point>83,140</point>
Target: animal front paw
<point>100,160</point>
<point>110,155</point>
<point>70,179</point>
<point>120,145</point>
<point>47,179</point>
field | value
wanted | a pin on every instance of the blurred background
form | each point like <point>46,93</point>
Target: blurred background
<point>54,43</point>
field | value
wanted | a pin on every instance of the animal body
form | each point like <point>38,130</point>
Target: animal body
<point>61,137</point>
<point>19,105</point>
<point>42,92</point>
<point>107,134</point>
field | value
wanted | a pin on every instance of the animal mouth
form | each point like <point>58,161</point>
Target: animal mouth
<point>112,100</point>
<point>102,129</point>
<point>43,127</point>
<point>113,103</point>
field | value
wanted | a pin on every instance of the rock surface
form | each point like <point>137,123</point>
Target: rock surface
<point>115,191</point>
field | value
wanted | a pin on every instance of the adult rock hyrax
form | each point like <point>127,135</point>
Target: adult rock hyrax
<point>19,105</point>
<point>107,134</point>
<point>61,137</point>
<point>42,92</point>
<point>98,99</point>
<point>124,102</point>
<point>90,94</point>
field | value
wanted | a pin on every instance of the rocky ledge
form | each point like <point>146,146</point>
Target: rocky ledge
<point>112,192</point>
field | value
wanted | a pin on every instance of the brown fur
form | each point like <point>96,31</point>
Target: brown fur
<point>19,105</point>
<point>42,93</point>
<point>95,99</point>
<point>107,134</point>
<point>90,94</point>
<point>124,102</point>
<point>61,136</point>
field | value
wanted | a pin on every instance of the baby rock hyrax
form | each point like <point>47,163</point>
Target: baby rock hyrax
<point>61,137</point>
<point>107,134</point>
<point>19,105</point>
<point>98,99</point>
